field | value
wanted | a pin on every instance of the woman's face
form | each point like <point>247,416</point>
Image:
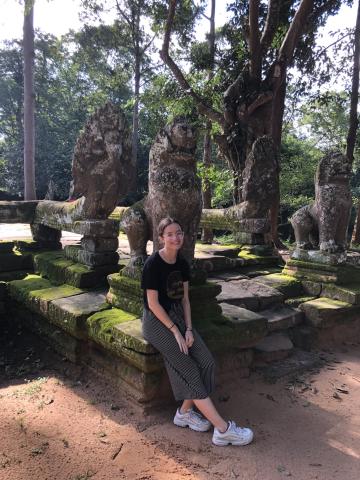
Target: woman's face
<point>173,237</point>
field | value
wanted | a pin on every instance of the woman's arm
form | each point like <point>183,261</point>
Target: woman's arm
<point>186,306</point>
<point>163,317</point>
<point>189,338</point>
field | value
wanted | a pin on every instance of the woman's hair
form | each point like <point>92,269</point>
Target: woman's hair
<point>165,222</point>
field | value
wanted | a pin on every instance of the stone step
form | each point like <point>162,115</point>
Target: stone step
<point>230,251</point>
<point>214,263</point>
<point>326,312</point>
<point>275,346</point>
<point>289,286</point>
<point>249,326</point>
<point>58,269</point>
<point>282,317</point>
<point>345,293</point>
<point>249,294</point>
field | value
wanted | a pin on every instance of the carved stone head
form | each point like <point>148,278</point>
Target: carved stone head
<point>333,168</point>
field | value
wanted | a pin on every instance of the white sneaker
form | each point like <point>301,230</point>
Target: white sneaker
<point>191,419</point>
<point>234,435</point>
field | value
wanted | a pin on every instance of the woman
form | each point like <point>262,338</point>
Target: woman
<point>167,326</point>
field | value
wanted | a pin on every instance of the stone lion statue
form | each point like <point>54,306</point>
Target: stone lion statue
<point>174,190</point>
<point>323,224</point>
<point>102,167</point>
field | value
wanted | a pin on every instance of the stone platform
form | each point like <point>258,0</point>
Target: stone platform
<point>245,314</point>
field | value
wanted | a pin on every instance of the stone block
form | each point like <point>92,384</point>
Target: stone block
<point>326,312</point>
<point>214,263</point>
<point>295,302</point>
<point>249,294</point>
<point>36,246</point>
<point>252,259</point>
<point>72,312</point>
<point>311,288</point>
<point>15,261</point>
<point>285,284</point>
<point>319,256</point>
<point>79,255</point>
<point>274,347</point>
<point>144,388</point>
<point>120,332</point>
<point>322,273</point>
<point>282,317</point>
<point>6,247</point>
<point>259,250</point>
<point>20,290</point>
<point>15,275</point>
<point>248,327</point>
<point>346,293</point>
<point>125,293</point>
<point>37,293</point>
<point>97,244</point>
<point>57,215</point>
<point>17,211</point>
<point>59,270</point>
<point>230,251</point>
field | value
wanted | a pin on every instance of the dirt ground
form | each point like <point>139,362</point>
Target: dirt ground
<point>58,422</point>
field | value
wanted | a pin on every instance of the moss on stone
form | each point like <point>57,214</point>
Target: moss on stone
<point>286,284</point>
<point>101,323</point>
<point>21,289</point>
<point>295,302</point>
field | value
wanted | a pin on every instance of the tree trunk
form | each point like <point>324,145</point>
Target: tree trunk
<point>207,233</point>
<point>276,131</point>
<point>29,102</point>
<point>353,123</point>
<point>137,75</point>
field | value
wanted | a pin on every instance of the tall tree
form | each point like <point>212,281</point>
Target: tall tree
<point>130,34</point>
<point>354,121</point>
<point>207,233</point>
<point>29,102</point>
<point>264,44</point>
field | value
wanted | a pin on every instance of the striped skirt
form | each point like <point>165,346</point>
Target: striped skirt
<point>191,376</point>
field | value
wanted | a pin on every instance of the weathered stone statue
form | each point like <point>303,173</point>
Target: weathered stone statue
<point>174,190</point>
<point>250,218</point>
<point>102,166</point>
<point>323,224</point>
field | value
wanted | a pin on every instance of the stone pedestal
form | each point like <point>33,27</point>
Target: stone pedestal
<point>322,273</point>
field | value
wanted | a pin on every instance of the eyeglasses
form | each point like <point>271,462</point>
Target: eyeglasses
<point>178,234</point>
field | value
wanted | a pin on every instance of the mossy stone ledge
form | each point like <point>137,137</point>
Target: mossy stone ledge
<point>56,267</point>
<point>120,332</point>
<point>288,285</point>
<point>37,293</point>
<point>326,312</point>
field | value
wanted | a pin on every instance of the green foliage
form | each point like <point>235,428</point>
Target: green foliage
<point>222,183</point>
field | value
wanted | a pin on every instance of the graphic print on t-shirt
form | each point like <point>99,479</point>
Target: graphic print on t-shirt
<point>175,286</point>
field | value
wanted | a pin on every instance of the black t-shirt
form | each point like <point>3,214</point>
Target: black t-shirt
<point>166,278</point>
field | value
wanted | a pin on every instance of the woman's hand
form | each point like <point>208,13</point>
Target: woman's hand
<point>189,338</point>
<point>180,340</point>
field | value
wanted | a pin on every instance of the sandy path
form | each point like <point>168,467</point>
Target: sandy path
<point>62,424</point>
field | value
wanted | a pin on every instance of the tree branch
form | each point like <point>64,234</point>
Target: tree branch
<point>295,30</point>
<point>271,23</point>
<point>164,54</point>
<point>254,39</point>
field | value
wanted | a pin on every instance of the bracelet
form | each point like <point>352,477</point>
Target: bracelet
<point>189,329</point>
<point>171,326</point>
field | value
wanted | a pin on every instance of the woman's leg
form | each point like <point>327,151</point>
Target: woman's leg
<point>186,405</point>
<point>207,408</point>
